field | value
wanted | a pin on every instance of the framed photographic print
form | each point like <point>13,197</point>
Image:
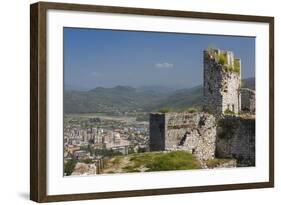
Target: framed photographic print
<point>134,102</point>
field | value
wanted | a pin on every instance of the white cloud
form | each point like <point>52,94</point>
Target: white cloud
<point>95,74</point>
<point>164,65</point>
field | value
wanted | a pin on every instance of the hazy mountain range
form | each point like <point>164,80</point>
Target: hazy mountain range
<point>121,99</point>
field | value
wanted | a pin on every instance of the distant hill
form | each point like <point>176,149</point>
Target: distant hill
<point>121,99</point>
<point>191,97</point>
<point>249,83</point>
<point>115,100</point>
<point>157,89</point>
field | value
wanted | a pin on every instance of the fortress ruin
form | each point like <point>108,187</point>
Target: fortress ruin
<point>219,131</point>
<point>222,81</point>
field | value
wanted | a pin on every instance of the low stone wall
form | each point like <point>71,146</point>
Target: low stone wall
<point>193,132</point>
<point>236,139</point>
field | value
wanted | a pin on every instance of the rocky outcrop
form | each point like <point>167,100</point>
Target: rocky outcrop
<point>84,169</point>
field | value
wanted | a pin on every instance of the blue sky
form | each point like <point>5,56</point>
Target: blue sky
<point>108,58</point>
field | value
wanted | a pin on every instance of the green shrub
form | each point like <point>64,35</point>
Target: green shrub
<point>236,66</point>
<point>229,112</point>
<point>231,68</point>
<point>69,166</point>
<point>87,148</point>
<point>222,59</point>
<point>191,110</point>
<point>87,161</point>
<point>236,70</point>
<point>165,110</point>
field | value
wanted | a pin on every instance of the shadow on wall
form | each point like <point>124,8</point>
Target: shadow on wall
<point>236,139</point>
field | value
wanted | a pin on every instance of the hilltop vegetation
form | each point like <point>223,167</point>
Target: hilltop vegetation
<point>151,161</point>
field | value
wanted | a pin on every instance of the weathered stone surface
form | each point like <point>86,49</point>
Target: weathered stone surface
<point>193,132</point>
<point>248,100</point>
<point>84,169</point>
<point>221,86</point>
<point>231,137</point>
<point>236,139</point>
<point>219,163</point>
<point>230,164</point>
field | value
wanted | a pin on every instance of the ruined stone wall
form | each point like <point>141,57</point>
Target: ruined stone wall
<point>192,132</point>
<point>248,100</point>
<point>230,92</point>
<point>236,139</point>
<point>221,86</point>
<point>200,134</point>
<point>211,88</point>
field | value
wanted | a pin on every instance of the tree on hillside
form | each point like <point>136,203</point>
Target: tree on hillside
<point>69,166</point>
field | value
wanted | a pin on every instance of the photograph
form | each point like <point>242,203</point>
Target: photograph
<point>144,101</point>
<point>132,101</point>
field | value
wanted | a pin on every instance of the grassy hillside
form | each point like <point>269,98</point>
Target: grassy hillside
<point>151,161</point>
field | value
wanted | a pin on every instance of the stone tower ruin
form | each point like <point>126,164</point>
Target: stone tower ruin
<point>222,82</point>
